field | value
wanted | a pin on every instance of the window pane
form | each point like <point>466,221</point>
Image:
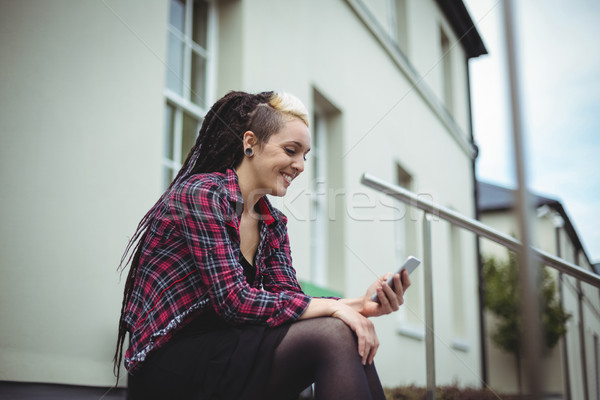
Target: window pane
<point>177,14</point>
<point>380,9</point>
<point>198,80</point>
<point>188,135</point>
<point>447,71</point>
<point>175,65</point>
<point>200,22</point>
<point>169,131</point>
<point>401,25</point>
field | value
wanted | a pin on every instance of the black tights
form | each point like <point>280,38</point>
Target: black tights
<point>323,351</point>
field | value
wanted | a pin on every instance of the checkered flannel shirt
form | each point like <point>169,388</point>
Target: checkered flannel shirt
<point>190,263</point>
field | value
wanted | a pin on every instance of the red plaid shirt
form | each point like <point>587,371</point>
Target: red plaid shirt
<point>190,263</point>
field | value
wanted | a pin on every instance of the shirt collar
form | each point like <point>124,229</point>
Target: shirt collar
<point>266,209</point>
<point>233,188</point>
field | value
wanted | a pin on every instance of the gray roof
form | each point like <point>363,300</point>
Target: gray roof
<point>497,198</point>
<point>492,198</point>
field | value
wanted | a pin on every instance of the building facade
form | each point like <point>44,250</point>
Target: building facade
<point>103,98</point>
<point>572,368</point>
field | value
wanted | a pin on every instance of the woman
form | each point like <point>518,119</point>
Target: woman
<point>211,304</point>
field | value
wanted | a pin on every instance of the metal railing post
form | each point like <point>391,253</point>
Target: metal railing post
<point>429,331</point>
<point>528,272</point>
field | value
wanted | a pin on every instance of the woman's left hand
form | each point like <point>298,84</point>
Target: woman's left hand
<point>390,298</point>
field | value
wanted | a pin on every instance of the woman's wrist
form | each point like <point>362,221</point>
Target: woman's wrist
<point>356,303</point>
<point>320,307</point>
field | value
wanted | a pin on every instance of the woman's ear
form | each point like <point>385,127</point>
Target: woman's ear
<point>249,139</point>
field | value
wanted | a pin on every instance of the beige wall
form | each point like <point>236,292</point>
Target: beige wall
<point>81,135</point>
<point>83,119</point>
<point>384,122</point>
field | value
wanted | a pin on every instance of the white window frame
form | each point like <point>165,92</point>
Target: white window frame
<point>319,203</point>
<point>460,341</point>
<point>410,321</point>
<point>447,71</point>
<point>181,104</point>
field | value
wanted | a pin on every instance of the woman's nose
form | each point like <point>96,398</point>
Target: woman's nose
<point>298,165</point>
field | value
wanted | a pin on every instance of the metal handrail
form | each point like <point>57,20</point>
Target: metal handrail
<point>431,209</point>
<point>477,227</point>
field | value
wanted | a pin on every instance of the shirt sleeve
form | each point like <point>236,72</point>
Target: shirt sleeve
<point>210,228</point>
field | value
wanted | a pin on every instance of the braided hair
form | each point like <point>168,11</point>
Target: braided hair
<point>219,147</point>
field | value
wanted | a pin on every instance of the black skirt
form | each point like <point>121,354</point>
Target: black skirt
<point>209,360</point>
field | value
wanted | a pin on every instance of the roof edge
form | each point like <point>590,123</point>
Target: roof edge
<point>463,26</point>
<point>537,201</point>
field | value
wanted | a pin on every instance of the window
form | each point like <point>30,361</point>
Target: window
<point>404,229</point>
<point>381,12</point>
<point>447,84</point>
<point>406,245</point>
<point>319,202</point>
<point>189,69</point>
<point>327,245</point>
<point>458,286</point>
<point>399,24</point>
<point>391,15</point>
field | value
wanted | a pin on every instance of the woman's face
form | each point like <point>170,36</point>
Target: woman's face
<point>281,159</point>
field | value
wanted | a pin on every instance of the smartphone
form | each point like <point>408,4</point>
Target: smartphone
<point>409,265</point>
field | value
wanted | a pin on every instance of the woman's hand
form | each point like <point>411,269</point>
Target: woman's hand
<point>355,312</point>
<point>390,299</point>
<point>360,325</point>
<point>368,343</point>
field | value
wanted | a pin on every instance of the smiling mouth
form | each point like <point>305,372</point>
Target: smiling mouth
<point>288,178</point>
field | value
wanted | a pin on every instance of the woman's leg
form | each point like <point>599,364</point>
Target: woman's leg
<point>323,351</point>
<point>374,382</point>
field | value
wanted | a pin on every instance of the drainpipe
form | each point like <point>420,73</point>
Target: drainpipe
<point>480,302</point>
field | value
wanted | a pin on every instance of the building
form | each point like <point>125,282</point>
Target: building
<point>102,98</point>
<point>572,367</point>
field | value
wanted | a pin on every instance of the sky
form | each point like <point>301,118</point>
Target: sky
<point>559,66</point>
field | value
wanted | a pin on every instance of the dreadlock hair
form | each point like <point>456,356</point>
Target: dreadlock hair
<point>219,147</point>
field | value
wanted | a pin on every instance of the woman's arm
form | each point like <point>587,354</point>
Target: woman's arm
<point>354,311</point>
<point>207,222</point>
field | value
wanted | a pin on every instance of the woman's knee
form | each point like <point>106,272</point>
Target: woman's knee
<point>333,333</point>
<point>333,325</point>
<point>319,336</point>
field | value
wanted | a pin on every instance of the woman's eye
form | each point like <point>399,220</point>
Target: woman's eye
<point>293,152</point>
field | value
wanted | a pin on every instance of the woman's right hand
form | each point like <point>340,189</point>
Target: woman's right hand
<point>368,343</point>
<point>360,325</point>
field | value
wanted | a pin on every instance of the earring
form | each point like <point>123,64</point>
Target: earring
<point>249,152</point>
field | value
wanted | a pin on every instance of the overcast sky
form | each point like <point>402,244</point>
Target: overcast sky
<point>560,71</point>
